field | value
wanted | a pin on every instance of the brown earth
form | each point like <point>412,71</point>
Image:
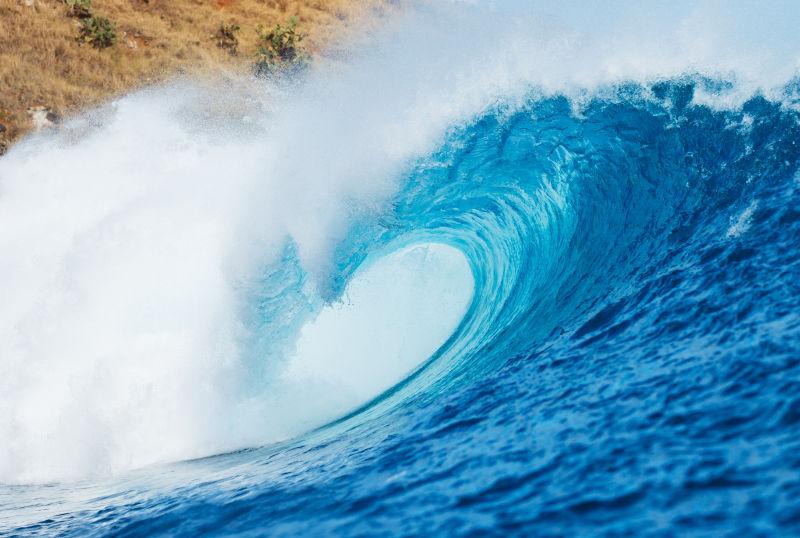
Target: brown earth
<point>43,64</point>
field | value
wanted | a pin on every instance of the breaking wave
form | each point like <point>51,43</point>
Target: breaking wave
<point>504,245</point>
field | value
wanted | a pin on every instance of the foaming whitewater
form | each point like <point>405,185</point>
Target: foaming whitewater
<point>501,266</point>
<point>153,291</point>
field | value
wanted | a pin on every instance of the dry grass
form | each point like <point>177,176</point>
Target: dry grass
<point>42,63</point>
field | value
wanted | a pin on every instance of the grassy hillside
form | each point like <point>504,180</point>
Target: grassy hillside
<point>44,64</point>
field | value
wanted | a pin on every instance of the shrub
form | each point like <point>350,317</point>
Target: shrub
<point>81,9</point>
<point>226,38</point>
<point>98,32</point>
<point>280,46</point>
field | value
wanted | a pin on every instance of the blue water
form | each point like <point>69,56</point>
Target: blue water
<point>629,365</point>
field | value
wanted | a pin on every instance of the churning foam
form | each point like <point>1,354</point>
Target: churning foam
<point>132,242</point>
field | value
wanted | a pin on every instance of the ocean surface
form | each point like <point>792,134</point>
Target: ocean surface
<point>472,296</point>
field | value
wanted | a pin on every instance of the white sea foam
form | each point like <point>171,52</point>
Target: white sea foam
<point>128,243</point>
<point>741,222</point>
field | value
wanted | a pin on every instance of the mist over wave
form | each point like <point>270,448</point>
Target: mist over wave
<point>163,257</point>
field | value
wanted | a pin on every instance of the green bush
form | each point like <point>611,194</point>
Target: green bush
<point>280,47</point>
<point>98,32</point>
<point>226,38</point>
<point>81,9</point>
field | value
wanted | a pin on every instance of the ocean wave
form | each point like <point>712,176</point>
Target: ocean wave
<point>551,232</point>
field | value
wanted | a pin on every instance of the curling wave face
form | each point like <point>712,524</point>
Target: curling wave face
<point>575,276</point>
